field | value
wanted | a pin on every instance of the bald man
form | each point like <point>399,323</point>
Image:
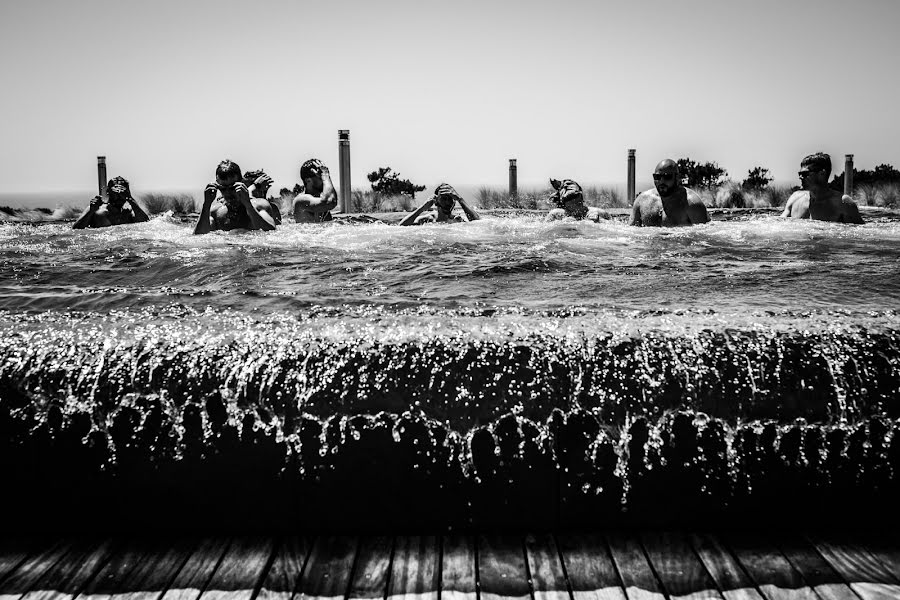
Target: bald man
<point>670,204</point>
<point>816,200</point>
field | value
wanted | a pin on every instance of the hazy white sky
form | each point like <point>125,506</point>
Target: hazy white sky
<point>440,90</point>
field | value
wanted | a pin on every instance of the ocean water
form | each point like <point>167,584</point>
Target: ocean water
<point>605,350</point>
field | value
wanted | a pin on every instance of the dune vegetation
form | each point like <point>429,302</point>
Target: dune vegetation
<point>158,203</point>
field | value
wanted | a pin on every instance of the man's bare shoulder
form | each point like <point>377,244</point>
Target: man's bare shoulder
<point>850,210</point>
<point>797,196</point>
<point>693,198</point>
<point>647,197</point>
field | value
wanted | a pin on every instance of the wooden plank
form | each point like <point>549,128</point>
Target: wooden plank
<point>864,573</point>
<point>814,569</point>
<point>773,575</point>
<point>329,568</point>
<point>590,569</point>
<point>14,551</point>
<point>886,549</point>
<point>162,561</point>
<point>458,568</point>
<point>241,570</point>
<point>198,569</point>
<point>416,568</point>
<point>373,566</point>
<point>502,572</point>
<point>112,577</point>
<point>679,570</point>
<point>286,570</point>
<point>548,578</point>
<point>724,569</point>
<point>68,577</point>
<point>30,571</point>
<point>634,570</point>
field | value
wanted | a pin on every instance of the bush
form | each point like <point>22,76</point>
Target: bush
<point>730,195</point>
<point>369,201</point>
<point>758,178</point>
<point>390,184</point>
<point>155,203</point>
<point>885,195</point>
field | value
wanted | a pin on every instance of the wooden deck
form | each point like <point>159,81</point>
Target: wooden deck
<point>608,566</point>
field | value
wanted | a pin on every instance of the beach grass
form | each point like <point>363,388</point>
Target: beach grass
<point>158,203</point>
<point>884,195</point>
<point>731,195</point>
<point>536,198</point>
<point>371,201</point>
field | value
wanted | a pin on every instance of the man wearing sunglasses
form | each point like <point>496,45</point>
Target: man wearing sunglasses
<point>670,204</point>
<point>227,204</point>
<point>816,200</point>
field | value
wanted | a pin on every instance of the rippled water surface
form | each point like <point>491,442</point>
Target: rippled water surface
<point>757,264</point>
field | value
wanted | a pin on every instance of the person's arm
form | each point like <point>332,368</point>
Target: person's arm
<point>411,217</point>
<point>259,219</point>
<point>139,215</point>
<point>636,213</point>
<point>851,211</point>
<point>789,205</point>
<point>696,209</point>
<point>471,215</point>
<point>315,205</point>
<point>209,195</point>
<point>85,220</point>
<point>261,183</point>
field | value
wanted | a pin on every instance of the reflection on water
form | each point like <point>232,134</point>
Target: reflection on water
<point>757,264</point>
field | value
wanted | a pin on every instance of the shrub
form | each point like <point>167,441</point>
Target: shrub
<point>730,195</point>
<point>159,203</point>
<point>885,195</point>
<point>758,178</point>
<point>386,182</point>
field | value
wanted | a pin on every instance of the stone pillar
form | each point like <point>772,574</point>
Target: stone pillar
<point>101,176</point>
<point>629,188</point>
<point>344,169</point>
<point>848,175</point>
<point>513,179</point>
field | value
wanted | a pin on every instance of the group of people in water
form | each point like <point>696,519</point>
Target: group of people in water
<point>237,200</point>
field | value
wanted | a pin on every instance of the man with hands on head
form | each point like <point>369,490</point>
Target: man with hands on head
<point>569,200</point>
<point>113,212</point>
<point>670,203</point>
<point>319,197</point>
<point>440,208</point>
<point>227,204</point>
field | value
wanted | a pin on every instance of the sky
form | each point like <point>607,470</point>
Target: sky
<point>440,91</point>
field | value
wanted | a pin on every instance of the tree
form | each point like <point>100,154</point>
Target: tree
<point>883,173</point>
<point>699,175</point>
<point>386,182</point>
<point>757,179</point>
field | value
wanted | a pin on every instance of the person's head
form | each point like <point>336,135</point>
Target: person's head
<point>228,173</point>
<point>567,194</point>
<point>445,198</point>
<point>666,177</point>
<point>815,170</point>
<point>311,176</point>
<point>117,192</point>
<point>250,178</point>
